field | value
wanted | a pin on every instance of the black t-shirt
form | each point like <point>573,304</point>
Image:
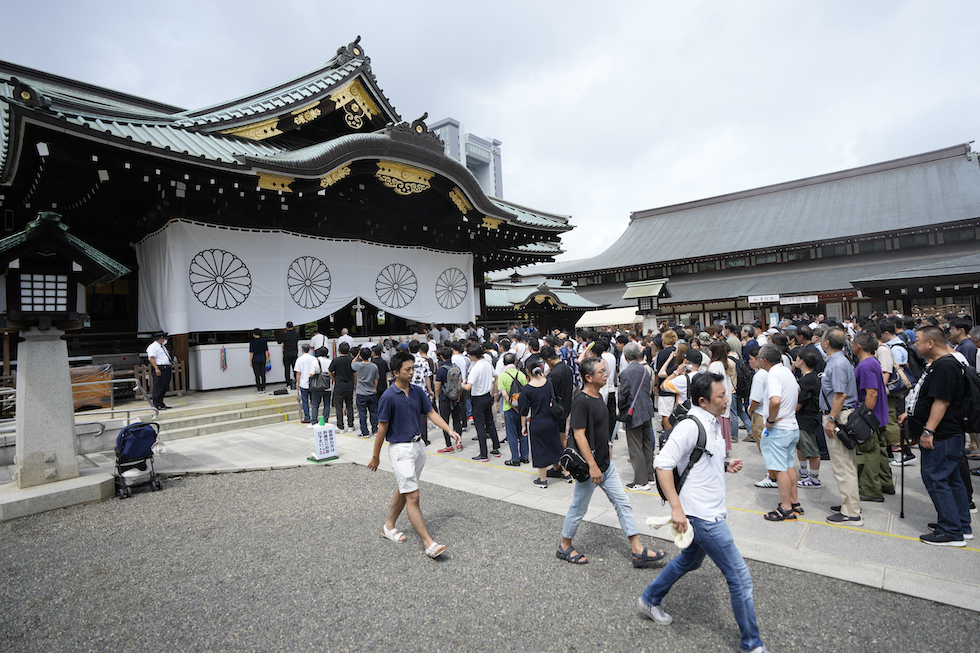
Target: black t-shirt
<point>290,344</point>
<point>821,364</point>
<point>591,414</point>
<point>661,359</point>
<point>944,381</point>
<point>808,416</point>
<point>382,366</point>
<point>561,377</point>
<point>258,347</point>
<point>441,375</point>
<point>343,374</point>
<point>531,360</point>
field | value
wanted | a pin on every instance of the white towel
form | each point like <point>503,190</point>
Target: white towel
<point>682,540</point>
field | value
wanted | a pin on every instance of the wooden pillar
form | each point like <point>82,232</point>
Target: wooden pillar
<point>179,343</point>
<point>479,287</point>
<point>6,353</point>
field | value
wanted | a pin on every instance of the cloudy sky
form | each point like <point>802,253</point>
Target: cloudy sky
<point>602,108</point>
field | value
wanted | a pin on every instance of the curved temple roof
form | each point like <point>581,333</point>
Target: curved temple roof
<point>916,191</point>
<point>263,133</point>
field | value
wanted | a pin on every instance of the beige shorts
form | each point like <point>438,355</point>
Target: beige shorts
<point>665,405</point>
<point>407,460</point>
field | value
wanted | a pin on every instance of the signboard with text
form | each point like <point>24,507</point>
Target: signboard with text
<point>799,299</point>
<point>324,442</point>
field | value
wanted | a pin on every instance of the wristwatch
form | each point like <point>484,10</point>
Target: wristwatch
<point>928,432</point>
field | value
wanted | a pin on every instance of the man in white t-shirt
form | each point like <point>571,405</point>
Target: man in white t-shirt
<point>303,367</point>
<point>782,432</point>
<point>757,395</point>
<point>160,361</point>
<point>479,383</point>
<point>318,340</point>
<point>700,505</point>
<point>608,391</point>
<point>344,337</point>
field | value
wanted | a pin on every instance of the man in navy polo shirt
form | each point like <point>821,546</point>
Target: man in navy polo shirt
<point>399,412</point>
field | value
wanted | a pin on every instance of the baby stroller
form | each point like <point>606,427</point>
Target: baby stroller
<point>134,458</point>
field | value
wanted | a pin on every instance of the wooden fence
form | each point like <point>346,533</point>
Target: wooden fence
<point>178,380</point>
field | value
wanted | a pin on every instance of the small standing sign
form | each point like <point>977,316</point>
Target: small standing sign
<point>324,442</point>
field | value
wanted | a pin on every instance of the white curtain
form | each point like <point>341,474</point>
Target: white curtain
<point>199,277</point>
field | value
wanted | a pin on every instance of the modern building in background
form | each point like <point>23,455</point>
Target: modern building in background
<point>479,155</point>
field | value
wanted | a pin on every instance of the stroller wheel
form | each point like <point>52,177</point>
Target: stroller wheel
<point>120,493</point>
<point>157,485</point>
<point>129,492</point>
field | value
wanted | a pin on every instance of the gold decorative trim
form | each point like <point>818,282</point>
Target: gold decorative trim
<point>403,179</point>
<point>335,175</point>
<point>307,114</point>
<point>257,131</point>
<point>456,195</point>
<point>491,223</point>
<point>275,182</point>
<point>356,102</point>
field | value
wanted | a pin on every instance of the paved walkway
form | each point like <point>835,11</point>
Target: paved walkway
<point>885,553</point>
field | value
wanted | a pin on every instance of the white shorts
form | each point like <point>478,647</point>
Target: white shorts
<point>665,405</point>
<point>407,460</point>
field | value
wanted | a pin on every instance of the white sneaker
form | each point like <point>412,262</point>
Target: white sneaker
<point>652,612</point>
<point>766,482</point>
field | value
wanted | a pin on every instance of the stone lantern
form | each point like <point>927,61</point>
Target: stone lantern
<point>647,295</point>
<point>46,271</point>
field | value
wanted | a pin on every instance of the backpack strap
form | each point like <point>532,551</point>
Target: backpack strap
<point>700,448</point>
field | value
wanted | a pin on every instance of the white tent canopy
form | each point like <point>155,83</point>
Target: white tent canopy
<point>609,317</point>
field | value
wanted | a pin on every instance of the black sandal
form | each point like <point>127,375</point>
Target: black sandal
<point>644,558</point>
<point>781,515</point>
<point>568,556</point>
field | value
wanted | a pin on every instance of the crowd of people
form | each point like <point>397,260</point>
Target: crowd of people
<point>798,390</point>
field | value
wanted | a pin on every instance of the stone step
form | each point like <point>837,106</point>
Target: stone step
<point>175,421</point>
<point>258,401</point>
<point>230,425</point>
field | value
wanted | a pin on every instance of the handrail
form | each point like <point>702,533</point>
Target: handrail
<point>8,425</point>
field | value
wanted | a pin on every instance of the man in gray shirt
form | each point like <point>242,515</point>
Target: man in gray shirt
<point>838,397</point>
<point>365,391</point>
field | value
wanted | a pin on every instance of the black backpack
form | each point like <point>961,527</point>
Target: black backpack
<point>917,364</point>
<point>970,408</point>
<point>744,374</point>
<point>700,448</point>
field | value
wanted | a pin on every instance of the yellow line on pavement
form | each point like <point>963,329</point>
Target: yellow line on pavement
<point>856,529</point>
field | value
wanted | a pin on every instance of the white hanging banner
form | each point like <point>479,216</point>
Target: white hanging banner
<point>199,277</point>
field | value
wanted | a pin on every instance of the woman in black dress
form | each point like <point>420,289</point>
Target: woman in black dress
<point>538,422</point>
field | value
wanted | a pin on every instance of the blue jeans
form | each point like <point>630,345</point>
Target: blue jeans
<point>715,540</point>
<point>304,393</point>
<point>613,488</point>
<point>941,476</point>
<point>738,412</point>
<point>366,403</point>
<point>317,398</point>
<point>517,442</point>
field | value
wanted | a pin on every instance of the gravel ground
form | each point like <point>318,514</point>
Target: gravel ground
<point>293,560</point>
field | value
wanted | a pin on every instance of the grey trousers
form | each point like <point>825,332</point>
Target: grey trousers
<point>641,452</point>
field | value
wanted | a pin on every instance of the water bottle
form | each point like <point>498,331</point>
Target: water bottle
<point>322,421</point>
